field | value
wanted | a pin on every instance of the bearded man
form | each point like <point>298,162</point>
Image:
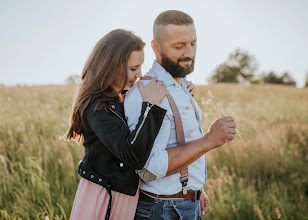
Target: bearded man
<point>166,191</point>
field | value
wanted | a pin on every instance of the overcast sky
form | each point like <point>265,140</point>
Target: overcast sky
<point>44,42</point>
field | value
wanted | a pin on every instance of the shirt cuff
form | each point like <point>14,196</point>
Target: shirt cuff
<point>158,164</point>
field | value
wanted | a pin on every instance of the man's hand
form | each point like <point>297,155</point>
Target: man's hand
<point>221,131</point>
<point>204,203</point>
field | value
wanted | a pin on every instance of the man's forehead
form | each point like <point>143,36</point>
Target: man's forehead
<point>180,33</point>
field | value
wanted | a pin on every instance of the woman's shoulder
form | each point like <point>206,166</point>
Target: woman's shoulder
<point>99,106</point>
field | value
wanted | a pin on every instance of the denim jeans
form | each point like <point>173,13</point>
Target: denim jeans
<point>168,209</point>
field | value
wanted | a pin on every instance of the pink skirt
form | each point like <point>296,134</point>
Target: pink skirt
<point>91,202</point>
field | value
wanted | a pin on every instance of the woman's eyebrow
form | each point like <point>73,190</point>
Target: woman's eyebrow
<point>134,66</point>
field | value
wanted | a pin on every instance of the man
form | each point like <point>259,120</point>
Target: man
<point>163,194</point>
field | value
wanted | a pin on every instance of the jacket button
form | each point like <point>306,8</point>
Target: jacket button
<point>121,164</point>
<point>100,180</point>
<point>112,106</point>
<point>92,176</point>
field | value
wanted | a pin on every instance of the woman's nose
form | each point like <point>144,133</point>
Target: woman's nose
<point>138,74</point>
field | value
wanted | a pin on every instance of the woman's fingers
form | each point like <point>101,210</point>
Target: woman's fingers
<point>188,83</point>
<point>140,85</point>
<point>154,92</point>
<point>191,88</point>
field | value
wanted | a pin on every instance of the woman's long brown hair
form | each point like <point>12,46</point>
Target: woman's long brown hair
<point>106,66</point>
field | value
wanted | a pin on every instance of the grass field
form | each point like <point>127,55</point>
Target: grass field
<point>263,175</point>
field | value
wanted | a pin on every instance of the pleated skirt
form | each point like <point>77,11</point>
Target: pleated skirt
<point>91,201</point>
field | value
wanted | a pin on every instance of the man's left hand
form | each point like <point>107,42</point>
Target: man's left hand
<point>204,203</point>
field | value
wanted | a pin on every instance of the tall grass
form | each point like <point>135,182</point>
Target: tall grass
<point>38,171</point>
<point>263,175</point>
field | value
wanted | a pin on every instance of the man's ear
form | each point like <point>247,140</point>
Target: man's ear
<point>156,49</point>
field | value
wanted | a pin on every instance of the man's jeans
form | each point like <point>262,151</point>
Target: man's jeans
<point>169,209</point>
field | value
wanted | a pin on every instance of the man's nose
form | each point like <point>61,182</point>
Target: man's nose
<point>189,52</point>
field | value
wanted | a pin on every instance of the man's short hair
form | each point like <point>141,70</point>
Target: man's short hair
<point>169,17</point>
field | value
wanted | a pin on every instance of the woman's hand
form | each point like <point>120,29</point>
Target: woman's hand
<point>191,88</point>
<point>154,92</point>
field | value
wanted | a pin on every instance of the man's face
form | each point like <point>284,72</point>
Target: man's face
<point>178,50</point>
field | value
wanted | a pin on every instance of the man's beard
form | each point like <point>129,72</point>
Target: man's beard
<point>175,69</point>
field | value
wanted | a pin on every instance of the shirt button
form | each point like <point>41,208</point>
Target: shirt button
<point>121,164</point>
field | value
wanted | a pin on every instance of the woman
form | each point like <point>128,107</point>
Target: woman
<point>109,185</point>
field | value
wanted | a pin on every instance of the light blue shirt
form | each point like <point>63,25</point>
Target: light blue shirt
<point>157,162</point>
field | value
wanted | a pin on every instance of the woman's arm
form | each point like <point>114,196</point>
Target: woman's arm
<point>133,148</point>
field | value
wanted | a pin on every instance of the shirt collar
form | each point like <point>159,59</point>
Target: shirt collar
<point>164,76</point>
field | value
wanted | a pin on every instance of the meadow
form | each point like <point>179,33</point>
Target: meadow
<point>263,175</point>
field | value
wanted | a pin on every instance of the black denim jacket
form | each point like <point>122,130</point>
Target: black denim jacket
<point>112,152</point>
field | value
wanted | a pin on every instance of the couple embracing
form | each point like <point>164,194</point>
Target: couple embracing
<point>144,148</point>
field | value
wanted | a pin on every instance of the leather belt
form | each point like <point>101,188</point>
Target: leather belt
<point>191,195</point>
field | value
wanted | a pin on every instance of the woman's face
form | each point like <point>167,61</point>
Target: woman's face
<point>134,63</point>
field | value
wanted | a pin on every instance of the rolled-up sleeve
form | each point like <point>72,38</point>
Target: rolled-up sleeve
<point>157,163</point>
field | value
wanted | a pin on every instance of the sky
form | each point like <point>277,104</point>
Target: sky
<point>44,42</point>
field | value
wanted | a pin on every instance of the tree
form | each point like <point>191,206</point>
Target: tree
<point>240,67</point>
<point>271,78</point>
<point>285,79</point>
<point>73,79</point>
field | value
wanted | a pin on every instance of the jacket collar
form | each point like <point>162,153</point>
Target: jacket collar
<point>116,107</point>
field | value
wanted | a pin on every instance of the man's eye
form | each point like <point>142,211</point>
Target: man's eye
<point>178,47</point>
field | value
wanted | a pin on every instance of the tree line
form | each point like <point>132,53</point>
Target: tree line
<point>241,67</point>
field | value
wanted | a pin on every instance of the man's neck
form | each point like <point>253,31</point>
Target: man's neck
<point>179,80</point>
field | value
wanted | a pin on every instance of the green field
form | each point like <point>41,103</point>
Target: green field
<point>263,175</point>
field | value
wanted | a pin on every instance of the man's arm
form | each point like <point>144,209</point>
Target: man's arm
<point>221,130</point>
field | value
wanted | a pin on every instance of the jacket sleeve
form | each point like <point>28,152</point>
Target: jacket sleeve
<point>157,164</point>
<point>132,148</point>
